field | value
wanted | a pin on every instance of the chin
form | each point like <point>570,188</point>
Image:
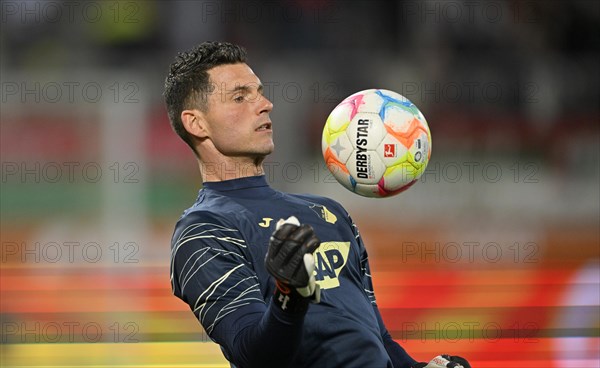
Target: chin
<point>269,149</point>
<point>263,152</point>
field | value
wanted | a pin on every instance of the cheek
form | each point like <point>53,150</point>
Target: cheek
<point>230,123</point>
<point>234,123</point>
<point>229,129</point>
<point>223,122</point>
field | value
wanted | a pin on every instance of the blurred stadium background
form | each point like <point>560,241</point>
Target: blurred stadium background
<point>494,255</point>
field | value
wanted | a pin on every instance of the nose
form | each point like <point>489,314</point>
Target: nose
<point>264,105</point>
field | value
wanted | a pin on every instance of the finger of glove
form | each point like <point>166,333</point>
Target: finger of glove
<point>284,231</point>
<point>441,361</point>
<point>306,237</point>
<point>309,267</point>
<point>304,270</point>
<point>274,248</point>
<point>285,256</point>
<point>454,361</point>
<point>289,238</point>
<point>278,239</point>
<point>302,233</point>
<point>311,244</point>
<point>284,253</point>
<point>430,365</point>
<point>309,264</point>
<point>460,360</point>
<point>290,268</point>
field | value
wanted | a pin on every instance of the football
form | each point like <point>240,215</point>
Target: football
<point>376,143</point>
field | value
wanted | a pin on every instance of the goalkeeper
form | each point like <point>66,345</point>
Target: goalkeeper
<point>272,293</point>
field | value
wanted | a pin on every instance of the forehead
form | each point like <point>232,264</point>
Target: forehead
<point>229,76</point>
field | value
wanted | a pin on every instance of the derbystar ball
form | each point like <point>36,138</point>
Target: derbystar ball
<point>376,143</point>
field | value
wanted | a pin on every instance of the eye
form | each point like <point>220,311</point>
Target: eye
<point>239,99</point>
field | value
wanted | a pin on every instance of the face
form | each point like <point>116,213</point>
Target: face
<point>237,118</point>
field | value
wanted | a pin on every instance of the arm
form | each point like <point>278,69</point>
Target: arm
<point>256,336</point>
<point>398,355</point>
<point>210,272</point>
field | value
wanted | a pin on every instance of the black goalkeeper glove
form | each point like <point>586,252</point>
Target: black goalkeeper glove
<point>290,261</point>
<point>445,361</point>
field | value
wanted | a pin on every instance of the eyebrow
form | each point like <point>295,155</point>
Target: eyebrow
<point>246,88</point>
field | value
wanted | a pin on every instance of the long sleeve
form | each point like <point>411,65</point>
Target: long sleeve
<point>398,355</point>
<point>260,337</point>
<point>211,272</point>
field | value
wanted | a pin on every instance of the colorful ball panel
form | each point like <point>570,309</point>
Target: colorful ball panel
<point>376,143</point>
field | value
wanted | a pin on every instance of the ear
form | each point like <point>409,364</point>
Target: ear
<point>194,122</point>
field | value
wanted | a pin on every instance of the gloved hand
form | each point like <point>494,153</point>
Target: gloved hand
<point>290,261</point>
<point>445,361</point>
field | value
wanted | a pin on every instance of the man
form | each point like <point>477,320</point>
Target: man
<point>249,278</point>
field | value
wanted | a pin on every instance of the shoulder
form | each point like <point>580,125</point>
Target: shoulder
<point>200,220</point>
<point>203,223</point>
<point>201,215</point>
<point>331,204</point>
<point>200,234</point>
<point>210,208</point>
<point>326,208</point>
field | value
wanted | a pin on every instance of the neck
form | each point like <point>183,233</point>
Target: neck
<point>231,168</point>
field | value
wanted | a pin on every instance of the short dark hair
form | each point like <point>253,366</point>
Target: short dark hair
<point>187,85</point>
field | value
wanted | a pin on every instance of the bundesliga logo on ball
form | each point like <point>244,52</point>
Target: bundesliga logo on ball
<point>376,143</point>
